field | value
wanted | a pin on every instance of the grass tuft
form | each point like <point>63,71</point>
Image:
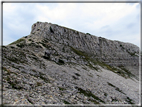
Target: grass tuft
<point>130,101</point>
<point>60,62</point>
<point>60,88</point>
<point>66,102</point>
<point>18,41</point>
<point>90,94</point>
<point>116,88</point>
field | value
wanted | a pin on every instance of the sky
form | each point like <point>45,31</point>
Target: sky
<point>114,21</point>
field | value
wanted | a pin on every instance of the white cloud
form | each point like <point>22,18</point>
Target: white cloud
<point>15,19</point>
<point>7,37</point>
<point>8,7</point>
<point>113,21</point>
<point>59,13</point>
<point>106,13</point>
<point>110,20</point>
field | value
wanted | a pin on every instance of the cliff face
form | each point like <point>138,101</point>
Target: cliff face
<point>114,53</point>
<point>58,65</point>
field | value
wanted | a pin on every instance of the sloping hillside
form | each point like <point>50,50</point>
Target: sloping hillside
<point>58,65</point>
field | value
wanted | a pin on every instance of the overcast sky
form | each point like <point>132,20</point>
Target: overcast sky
<point>115,21</point>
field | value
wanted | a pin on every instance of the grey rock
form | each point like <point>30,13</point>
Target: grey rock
<point>58,65</point>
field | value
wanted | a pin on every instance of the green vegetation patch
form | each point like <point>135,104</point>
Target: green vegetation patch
<point>34,57</point>
<point>77,74</point>
<point>90,94</point>
<point>88,33</point>
<point>21,45</point>
<point>94,101</point>
<point>102,64</point>
<point>42,76</point>
<point>12,47</point>
<point>92,67</point>
<point>74,77</point>
<point>116,88</point>
<point>17,56</point>
<point>129,100</point>
<point>114,99</point>
<point>34,45</point>
<point>127,72</point>
<point>8,72</point>
<point>30,39</point>
<point>60,88</point>
<point>18,41</point>
<point>86,57</point>
<point>60,62</point>
<point>30,101</point>
<point>131,53</point>
<point>4,68</point>
<point>45,43</point>
<point>16,59</point>
<point>127,50</point>
<point>122,72</point>
<point>66,102</point>
<point>80,53</point>
<point>105,94</point>
<point>39,84</point>
<point>13,83</point>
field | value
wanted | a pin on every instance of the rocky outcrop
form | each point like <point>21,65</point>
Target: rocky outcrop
<point>114,53</point>
<point>58,65</point>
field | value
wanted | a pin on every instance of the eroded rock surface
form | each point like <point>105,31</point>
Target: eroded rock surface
<point>58,65</point>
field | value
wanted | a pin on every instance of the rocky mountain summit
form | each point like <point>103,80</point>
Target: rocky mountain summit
<point>58,65</point>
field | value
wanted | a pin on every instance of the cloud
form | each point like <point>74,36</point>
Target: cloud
<point>59,13</point>
<point>116,21</point>
<point>115,24</point>
<point>17,21</point>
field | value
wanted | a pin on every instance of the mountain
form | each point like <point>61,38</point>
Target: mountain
<point>58,65</point>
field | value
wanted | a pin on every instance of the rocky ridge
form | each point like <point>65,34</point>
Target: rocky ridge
<point>58,65</point>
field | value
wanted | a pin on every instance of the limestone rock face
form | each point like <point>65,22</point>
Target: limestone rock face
<point>58,65</point>
<point>114,53</point>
